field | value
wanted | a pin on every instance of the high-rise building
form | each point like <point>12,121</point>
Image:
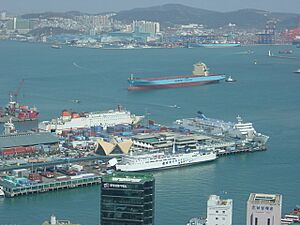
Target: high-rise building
<point>264,209</point>
<point>3,15</point>
<point>219,211</point>
<point>146,27</point>
<point>127,199</point>
<point>14,23</point>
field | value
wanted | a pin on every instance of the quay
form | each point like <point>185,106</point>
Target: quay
<point>53,163</point>
<point>12,191</point>
<point>238,151</point>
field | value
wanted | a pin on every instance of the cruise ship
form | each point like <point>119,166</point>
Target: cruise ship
<point>240,129</point>
<point>161,160</point>
<point>73,121</point>
<point>200,76</point>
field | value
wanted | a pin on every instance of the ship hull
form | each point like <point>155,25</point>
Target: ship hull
<point>172,82</point>
<point>103,119</point>
<point>132,88</point>
<point>187,160</point>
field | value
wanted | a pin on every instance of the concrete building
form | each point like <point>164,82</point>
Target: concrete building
<point>54,221</point>
<point>219,211</point>
<point>3,15</point>
<point>146,27</point>
<point>23,143</point>
<point>14,23</point>
<point>264,209</point>
<point>127,198</point>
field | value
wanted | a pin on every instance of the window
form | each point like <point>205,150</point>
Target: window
<point>269,221</point>
<point>217,218</point>
<point>223,211</point>
<point>256,221</point>
<point>217,211</point>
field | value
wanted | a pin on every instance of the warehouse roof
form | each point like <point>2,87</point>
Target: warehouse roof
<point>27,139</point>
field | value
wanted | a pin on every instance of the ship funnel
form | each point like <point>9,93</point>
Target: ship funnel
<point>174,147</point>
<point>200,69</point>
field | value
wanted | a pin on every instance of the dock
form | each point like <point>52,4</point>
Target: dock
<point>238,151</point>
<point>11,190</point>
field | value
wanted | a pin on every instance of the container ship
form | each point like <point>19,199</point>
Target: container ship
<point>200,76</point>
<point>72,120</point>
<point>17,112</point>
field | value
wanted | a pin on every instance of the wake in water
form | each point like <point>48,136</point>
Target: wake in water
<point>83,68</point>
<point>244,52</point>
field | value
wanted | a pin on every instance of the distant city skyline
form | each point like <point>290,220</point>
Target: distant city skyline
<point>98,6</point>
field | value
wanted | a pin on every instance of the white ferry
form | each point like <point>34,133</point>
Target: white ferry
<point>156,161</point>
<point>73,121</point>
<point>243,130</point>
<point>2,194</point>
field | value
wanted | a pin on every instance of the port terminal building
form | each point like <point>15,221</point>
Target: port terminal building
<point>163,141</point>
<point>113,147</point>
<point>22,143</point>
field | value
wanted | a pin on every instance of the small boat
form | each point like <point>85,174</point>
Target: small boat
<point>2,194</point>
<point>56,46</point>
<point>286,51</point>
<point>75,100</point>
<point>175,106</point>
<point>297,71</point>
<point>229,79</point>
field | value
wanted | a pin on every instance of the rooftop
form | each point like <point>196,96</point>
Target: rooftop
<point>124,177</point>
<point>216,200</point>
<point>60,222</point>
<point>265,198</point>
<point>26,139</point>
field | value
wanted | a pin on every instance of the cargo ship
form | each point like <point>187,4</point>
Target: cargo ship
<point>73,120</point>
<point>200,76</point>
<point>17,113</point>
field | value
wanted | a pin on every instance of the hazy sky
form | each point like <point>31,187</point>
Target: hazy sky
<point>94,6</point>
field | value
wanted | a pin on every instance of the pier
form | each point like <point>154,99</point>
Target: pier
<point>238,151</point>
<point>11,190</point>
<point>54,162</point>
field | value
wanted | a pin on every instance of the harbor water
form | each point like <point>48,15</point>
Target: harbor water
<point>266,93</point>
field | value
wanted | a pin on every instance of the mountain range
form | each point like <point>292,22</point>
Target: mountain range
<point>171,14</point>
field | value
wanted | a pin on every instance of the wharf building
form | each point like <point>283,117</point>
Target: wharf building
<point>127,198</point>
<point>166,140</point>
<point>26,143</point>
<point>264,209</point>
<point>219,211</point>
<point>151,142</point>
